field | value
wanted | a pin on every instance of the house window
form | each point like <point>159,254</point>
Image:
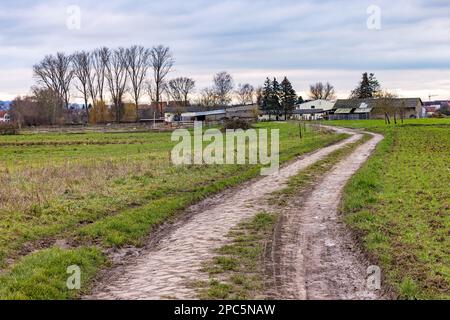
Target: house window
<point>313,107</point>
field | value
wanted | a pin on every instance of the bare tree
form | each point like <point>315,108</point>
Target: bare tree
<point>100,60</point>
<point>56,73</point>
<point>208,98</point>
<point>162,62</point>
<point>223,85</point>
<point>116,76</point>
<point>385,104</point>
<point>43,107</point>
<point>137,62</point>
<point>245,93</point>
<point>82,68</point>
<point>322,91</point>
<point>180,88</point>
<point>150,87</point>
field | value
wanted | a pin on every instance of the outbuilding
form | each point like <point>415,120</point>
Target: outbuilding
<point>361,109</point>
<point>308,110</point>
<point>4,116</point>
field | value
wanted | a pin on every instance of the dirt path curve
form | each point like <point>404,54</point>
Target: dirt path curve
<point>314,255</point>
<point>166,269</point>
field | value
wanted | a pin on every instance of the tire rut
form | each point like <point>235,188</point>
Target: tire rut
<point>315,256</point>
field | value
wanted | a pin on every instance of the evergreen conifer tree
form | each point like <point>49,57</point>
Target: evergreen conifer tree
<point>275,105</point>
<point>288,97</point>
<point>367,88</point>
<point>266,96</point>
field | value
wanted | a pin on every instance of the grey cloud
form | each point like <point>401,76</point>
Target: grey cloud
<point>240,35</point>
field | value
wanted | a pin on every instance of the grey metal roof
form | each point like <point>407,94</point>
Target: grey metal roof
<point>190,109</point>
<point>203,113</point>
<point>363,110</point>
<point>344,110</point>
<point>197,108</point>
<point>307,111</point>
<point>238,108</point>
<point>371,103</point>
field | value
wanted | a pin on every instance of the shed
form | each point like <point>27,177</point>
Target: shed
<point>356,109</point>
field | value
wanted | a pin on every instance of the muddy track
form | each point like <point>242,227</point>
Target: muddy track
<point>314,256</point>
<point>167,268</point>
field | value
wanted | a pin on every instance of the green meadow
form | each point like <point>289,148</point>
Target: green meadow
<point>399,205</point>
<point>66,198</point>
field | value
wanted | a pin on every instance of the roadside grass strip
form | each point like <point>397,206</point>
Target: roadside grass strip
<point>43,275</point>
<point>399,205</point>
<point>237,273</point>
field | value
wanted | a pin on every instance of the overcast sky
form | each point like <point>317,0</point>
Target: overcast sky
<point>307,41</point>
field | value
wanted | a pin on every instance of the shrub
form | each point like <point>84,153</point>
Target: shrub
<point>235,124</point>
<point>9,128</point>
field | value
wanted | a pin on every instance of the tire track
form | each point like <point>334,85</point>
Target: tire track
<point>314,255</point>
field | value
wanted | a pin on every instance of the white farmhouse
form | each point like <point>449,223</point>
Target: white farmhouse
<point>313,110</point>
<point>4,116</point>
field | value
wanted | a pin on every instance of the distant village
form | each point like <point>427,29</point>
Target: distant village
<point>176,113</point>
<point>113,84</point>
<point>342,109</point>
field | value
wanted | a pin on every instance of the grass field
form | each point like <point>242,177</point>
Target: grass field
<point>399,203</point>
<point>88,192</point>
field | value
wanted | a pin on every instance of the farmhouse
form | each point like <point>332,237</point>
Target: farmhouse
<point>199,113</point>
<point>361,109</point>
<point>245,112</point>
<point>433,107</point>
<point>431,111</point>
<point>308,114</point>
<point>193,113</point>
<point>4,116</point>
<point>207,115</point>
<point>313,110</point>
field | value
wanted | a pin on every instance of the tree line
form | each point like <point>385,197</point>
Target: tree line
<point>115,75</point>
<point>116,72</point>
<point>277,98</point>
<point>131,73</point>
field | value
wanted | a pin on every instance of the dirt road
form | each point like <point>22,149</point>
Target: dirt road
<point>165,270</point>
<point>314,255</point>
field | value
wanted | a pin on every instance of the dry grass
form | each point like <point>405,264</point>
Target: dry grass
<point>109,190</point>
<point>28,187</point>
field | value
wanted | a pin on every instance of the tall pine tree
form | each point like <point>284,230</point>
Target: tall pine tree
<point>288,97</point>
<point>266,96</point>
<point>374,84</point>
<point>275,104</point>
<point>367,88</point>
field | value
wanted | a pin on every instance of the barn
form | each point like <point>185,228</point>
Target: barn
<point>362,109</point>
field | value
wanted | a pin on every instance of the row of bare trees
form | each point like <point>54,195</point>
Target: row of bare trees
<point>134,71</point>
<point>130,73</point>
<point>222,91</point>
